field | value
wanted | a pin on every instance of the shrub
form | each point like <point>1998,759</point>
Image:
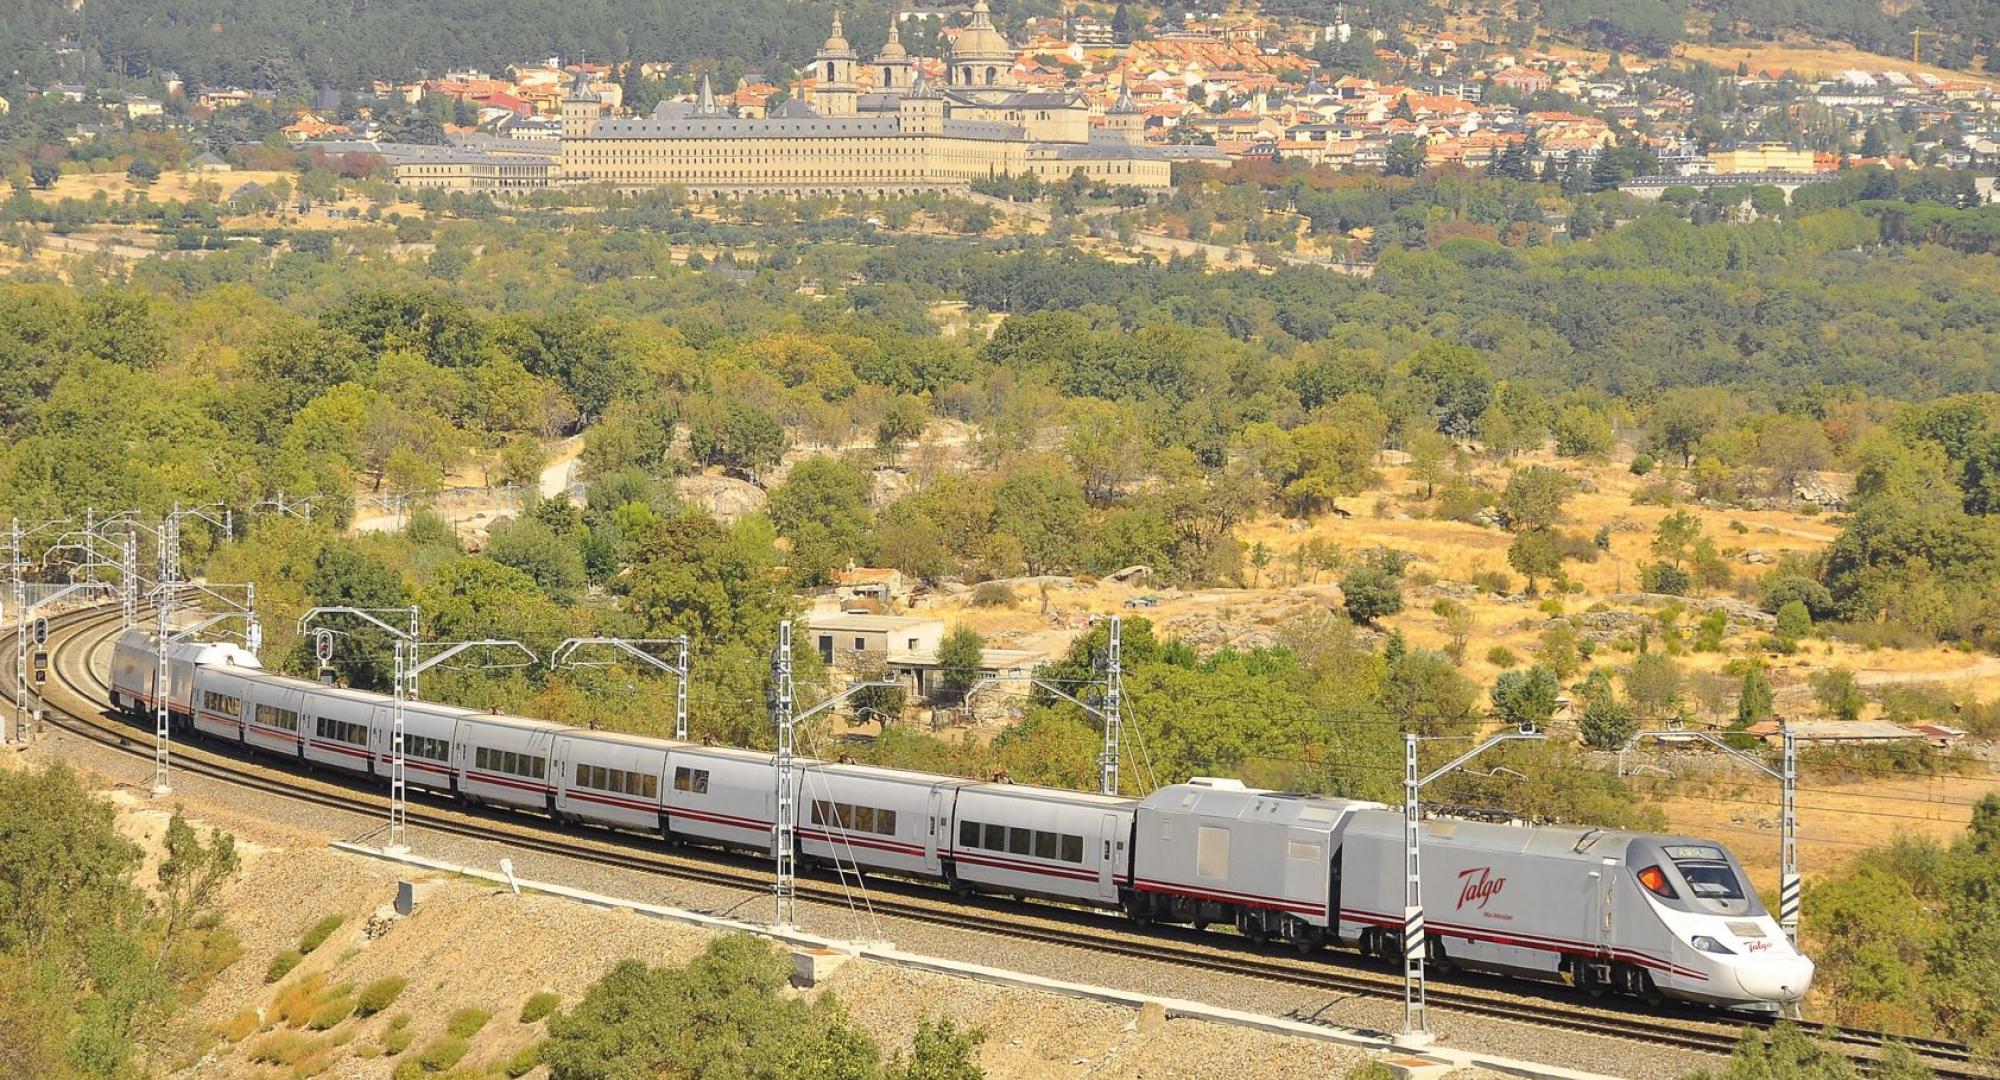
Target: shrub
<point>1502,656</point>
<point>1371,1070</point>
<point>1794,622</point>
<point>992,594</point>
<point>1664,578</point>
<point>1777,590</point>
<point>1657,493</point>
<point>1709,632</point>
<point>539,1006</point>
<point>320,931</point>
<point>399,1036</point>
<point>1838,693</point>
<point>524,1060</point>
<point>282,1048</point>
<point>332,1013</point>
<point>282,965</point>
<point>379,995</point>
<point>443,1052</point>
<point>1642,464</point>
<point>295,1004</point>
<point>1372,590</point>
<point>1494,581</point>
<point>465,1023</point>
<point>239,1027</point>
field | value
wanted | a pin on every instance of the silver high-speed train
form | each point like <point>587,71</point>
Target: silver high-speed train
<point>1621,912</point>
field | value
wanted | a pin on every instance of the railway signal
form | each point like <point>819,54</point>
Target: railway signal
<point>41,630</point>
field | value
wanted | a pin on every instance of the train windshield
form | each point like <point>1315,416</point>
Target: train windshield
<point>1706,871</point>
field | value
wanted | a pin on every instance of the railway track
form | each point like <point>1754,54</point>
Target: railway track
<point>76,639</point>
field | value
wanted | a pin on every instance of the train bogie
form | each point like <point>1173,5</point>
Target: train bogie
<point>1216,851</point>
<point>875,819</point>
<point>1034,841</point>
<point>614,780</point>
<point>723,797</point>
<point>504,760</point>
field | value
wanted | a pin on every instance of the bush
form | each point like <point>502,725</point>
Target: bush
<point>320,931</point>
<point>993,594</point>
<point>539,1006</point>
<point>239,1027</point>
<point>282,1048</point>
<point>1502,656</point>
<point>1642,464</point>
<point>465,1023</point>
<point>1794,622</point>
<point>1777,590</point>
<point>443,1052</point>
<point>1371,1070</point>
<point>332,1013</point>
<point>1371,591</point>
<point>1494,581</point>
<point>282,965</point>
<point>1838,693</point>
<point>399,1036</point>
<point>1665,578</point>
<point>379,995</point>
<point>524,1060</point>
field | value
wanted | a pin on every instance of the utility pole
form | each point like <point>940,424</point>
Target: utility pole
<point>165,595</point>
<point>784,834</point>
<point>1114,690</point>
<point>1416,1029</point>
<point>1787,776</point>
<point>635,648</point>
<point>410,663</point>
<point>784,830</point>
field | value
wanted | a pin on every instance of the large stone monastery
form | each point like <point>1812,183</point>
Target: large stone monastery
<point>903,135</point>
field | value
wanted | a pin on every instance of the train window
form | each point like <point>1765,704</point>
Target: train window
<point>1020,841</point>
<point>843,815</point>
<point>819,812</point>
<point>1211,852</point>
<point>479,757</point>
<point>652,786</point>
<point>885,822</point>
<point>681,779</point>
<point>1072,848</point>
<point>996,838</point>
<point>598,779</point>
<point>968,834</point>
<point>864,819</point>
<point>273,717</point>
<point>541,767</point>
<point>1711,880</point>
<point>510,761</point>
<point>1045,845</point>
<point>582,775</point>
<point>1302,849</point>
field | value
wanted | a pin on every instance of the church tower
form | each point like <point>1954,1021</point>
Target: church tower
<point>920,111</point>
<point>834,89</point>
<point>981,56</point>
<point>581,108</point>
<point>1124,120</point>
<point>892,65</point>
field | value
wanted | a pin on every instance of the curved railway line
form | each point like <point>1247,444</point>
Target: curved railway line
<point>77,639</point>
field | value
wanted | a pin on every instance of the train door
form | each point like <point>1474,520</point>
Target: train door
<point>1112,849</point>
<point>559,779</point>
<point>934,833</point>
<point>1604,886</point>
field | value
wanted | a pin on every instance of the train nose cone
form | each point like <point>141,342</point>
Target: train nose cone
<point>1777,979</point>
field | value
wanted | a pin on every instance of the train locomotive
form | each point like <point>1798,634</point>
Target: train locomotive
<point>1609,911</point>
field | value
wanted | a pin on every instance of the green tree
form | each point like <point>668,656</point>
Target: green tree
<point>1675,536</point>
<point>960,655</point>
<point>1371,590</point>
<point>1453,383</point>
<point>1756,701</point>
<point>721,1016</point>
<point>1794,622</point>
<point>941,1050</point>
<point>1605,722</point>
<point>191,876</point>
<point>1429,452</point>
<point>1534,498</point>
<point>530,546</point>
<point>1654,685</point>
<point>1526,698</point>
<point>1425,692</point>
<point>1582,431</point>
<point>822,511</point>
<point>1838,693</point>
<point>692,576</point>
<point>1535,554</point>
<point>1041,505</point>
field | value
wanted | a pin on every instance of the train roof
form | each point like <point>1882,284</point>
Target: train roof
<point>524,723</point>
<point>625,738</point>
<point>1052,794</point>
<point>1553,841</point>
<point>884,772</point>
<point>1230,799</point>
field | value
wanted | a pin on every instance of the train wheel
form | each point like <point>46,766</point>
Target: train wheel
<point>1200,925</point>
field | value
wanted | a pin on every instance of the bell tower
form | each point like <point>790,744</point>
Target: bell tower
<point>581,108</point>
<point>834,86</point>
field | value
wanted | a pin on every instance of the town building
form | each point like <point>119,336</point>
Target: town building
<point>901,135</point>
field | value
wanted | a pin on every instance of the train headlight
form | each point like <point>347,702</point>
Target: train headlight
<point>1710,945</point>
